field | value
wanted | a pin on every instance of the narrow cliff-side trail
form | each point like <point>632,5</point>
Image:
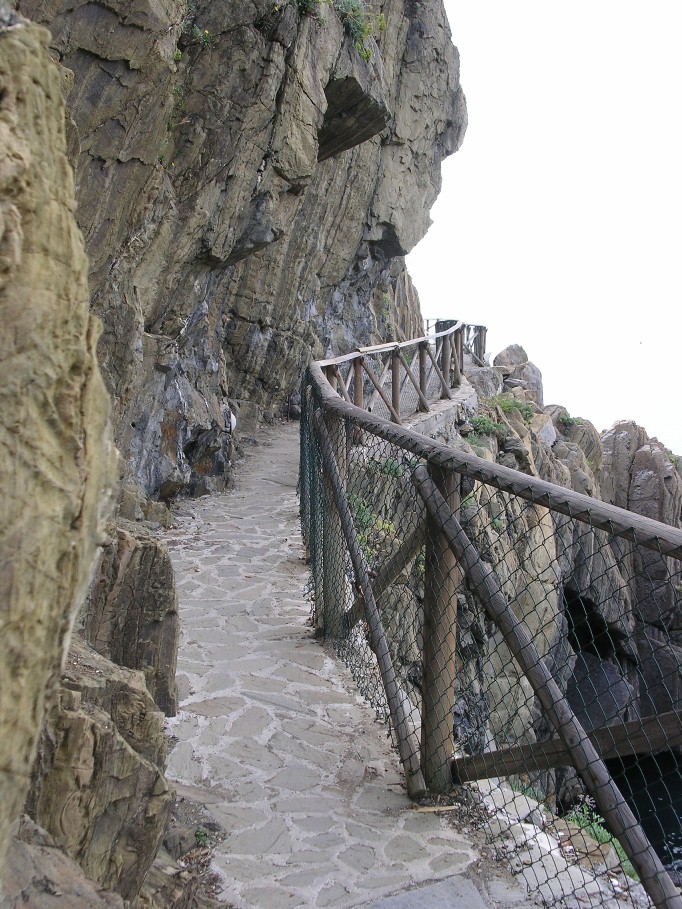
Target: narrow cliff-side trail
<point>272,737</point>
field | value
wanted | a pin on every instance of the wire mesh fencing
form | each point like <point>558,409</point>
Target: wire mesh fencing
<point>523,641</point>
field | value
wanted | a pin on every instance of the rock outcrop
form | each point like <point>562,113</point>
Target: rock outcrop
<point>131,615</point>
<point>609,620</point>
<point>99,789</point>
<point>57,466</point>
<point>248,185</point>
<point>39,874</point>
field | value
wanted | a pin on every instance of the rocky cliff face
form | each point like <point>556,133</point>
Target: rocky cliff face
<point>606,615</point>
<point>57,466</point>
<point>248,185</point>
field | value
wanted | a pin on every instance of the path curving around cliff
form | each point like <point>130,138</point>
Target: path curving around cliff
<point>271,735</point>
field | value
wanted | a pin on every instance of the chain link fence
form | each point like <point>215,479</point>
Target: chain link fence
<point>523,641</point>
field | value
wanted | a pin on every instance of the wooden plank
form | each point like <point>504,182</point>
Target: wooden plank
<point>643,736</point>
<point>610,802</point>
<point>342,385</point>
<point>618,521</point>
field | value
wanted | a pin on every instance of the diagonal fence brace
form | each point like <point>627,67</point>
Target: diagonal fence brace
<point>587,762</point>
<point>408,742</point>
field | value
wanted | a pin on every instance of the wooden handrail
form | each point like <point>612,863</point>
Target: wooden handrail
<point>387,347</point>
<point>622,523</point>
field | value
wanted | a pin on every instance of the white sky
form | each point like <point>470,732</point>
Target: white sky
<point>559,223</point>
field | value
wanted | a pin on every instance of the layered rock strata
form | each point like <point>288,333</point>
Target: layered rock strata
<point>248,185</point>
<point>131,615</point>
<point>99,789</point>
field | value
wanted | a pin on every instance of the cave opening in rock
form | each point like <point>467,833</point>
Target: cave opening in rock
<point>588,631</point>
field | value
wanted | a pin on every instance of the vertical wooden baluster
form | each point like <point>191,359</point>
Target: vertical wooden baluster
<point>445,360</point>
<point>358,396</point>
<point>395,381</point>
<point>423,378</point>
<point>442,577</point>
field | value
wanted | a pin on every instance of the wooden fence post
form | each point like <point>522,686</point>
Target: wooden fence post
<point>423,381</point>
<point>395,380</point>
<point>480,342</point>
<point>357,383</point>
<point>459,347</point>
<point>456,361</point>
<point>442,577</point>
<point>446,354</point>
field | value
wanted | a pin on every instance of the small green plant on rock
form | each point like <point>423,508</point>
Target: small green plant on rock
<point>567,421</point>
<point>508,403</point>
<point>357,23</point>
<point>201,836</point>
<point>587,818</point>
<point>309,7</point>
<point>484,426</point>
<point>357,20</point>
<point>191,31</point>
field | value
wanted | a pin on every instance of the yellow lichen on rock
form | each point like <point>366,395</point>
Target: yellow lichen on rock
<point>58,461</point>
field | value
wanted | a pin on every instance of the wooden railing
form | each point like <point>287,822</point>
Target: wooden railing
<point>341,443</point>
<point>395,380</point>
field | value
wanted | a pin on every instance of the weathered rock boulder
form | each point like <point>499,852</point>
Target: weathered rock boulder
<point>620,445</point>
<point>519,372</point>
<point>57,465</point>
<point>98,788</point>
<point>41,876</point>
<point>606,616</point>
<point>131,615</point>
<point>248,185</point>
<point>487,380</point>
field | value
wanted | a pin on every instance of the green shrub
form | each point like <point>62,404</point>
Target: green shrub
<point>308,7</point>
<point>507,403</point>
<point>484,426</point>
<point>357,20</point>
<point>357,23</point>
<point>568,421</point>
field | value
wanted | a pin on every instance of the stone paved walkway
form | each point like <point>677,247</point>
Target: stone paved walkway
<point>272,736</point>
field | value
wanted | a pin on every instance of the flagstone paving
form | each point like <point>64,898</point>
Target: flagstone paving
<point>272,736</point>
